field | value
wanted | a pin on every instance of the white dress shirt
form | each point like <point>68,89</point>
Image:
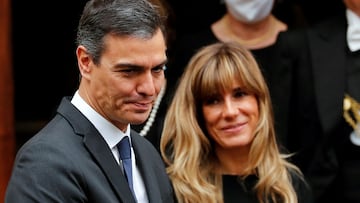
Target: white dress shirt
<point>112,135</point>
<point>353,30</point>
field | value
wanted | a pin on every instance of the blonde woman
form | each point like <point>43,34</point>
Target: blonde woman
<point>218,140</point>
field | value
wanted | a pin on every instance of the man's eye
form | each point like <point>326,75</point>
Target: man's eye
<point>128,70</point>
<point>159,69</point>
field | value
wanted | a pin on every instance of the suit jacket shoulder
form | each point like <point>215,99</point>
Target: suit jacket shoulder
<point>69,161</point>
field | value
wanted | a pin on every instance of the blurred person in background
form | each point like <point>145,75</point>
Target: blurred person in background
<point>325,112</point>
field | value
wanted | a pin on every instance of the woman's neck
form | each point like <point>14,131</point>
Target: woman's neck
<point>253,36</point>
<point>232,161</point>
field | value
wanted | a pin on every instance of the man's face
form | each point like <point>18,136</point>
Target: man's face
<point>126,82</point>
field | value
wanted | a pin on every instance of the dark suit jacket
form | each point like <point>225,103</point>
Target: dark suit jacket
<point>316,57</point>
<point>318,130</point>
<point>69,161</point>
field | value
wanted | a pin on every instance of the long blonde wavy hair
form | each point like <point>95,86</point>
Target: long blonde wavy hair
<point>187,149</point>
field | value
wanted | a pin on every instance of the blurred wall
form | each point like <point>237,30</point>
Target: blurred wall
<point>7,137</point>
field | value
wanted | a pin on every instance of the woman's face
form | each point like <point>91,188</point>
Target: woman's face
<point>231,117</point>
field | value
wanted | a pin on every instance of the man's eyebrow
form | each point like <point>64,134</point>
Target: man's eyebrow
<point>127,65</point>
<point>131,65</point>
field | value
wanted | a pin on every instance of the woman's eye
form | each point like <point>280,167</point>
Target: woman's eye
<point>239,93</point>
<point>211,101</point>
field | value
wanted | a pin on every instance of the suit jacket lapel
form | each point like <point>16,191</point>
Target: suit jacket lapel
<point>328,48</point>
<point>99,149</point>
<point>144,163</point>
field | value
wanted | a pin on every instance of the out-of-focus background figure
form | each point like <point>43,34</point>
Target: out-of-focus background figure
<point>325,115</point>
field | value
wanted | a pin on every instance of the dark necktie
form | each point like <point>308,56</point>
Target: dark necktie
<point>125,156</point>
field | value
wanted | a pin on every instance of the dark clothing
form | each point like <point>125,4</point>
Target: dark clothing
<point>324,70</point>
<point>69,161</point>
<point>241,190</point>
<point>236,190</point>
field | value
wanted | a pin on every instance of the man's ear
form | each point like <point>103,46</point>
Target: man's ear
<point>85,62</point>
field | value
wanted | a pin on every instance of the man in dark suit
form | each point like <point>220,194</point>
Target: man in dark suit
<point>326,69</point>
<point>75,158</point>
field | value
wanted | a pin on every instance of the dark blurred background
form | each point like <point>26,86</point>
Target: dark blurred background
<point>44,61</point>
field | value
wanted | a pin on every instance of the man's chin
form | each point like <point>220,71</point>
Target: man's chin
<point>139,120</point>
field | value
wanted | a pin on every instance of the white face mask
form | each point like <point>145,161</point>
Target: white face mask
<point>249,11</point>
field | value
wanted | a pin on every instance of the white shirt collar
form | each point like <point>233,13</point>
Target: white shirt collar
<point>108,131</point>
<point>353,30</point>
